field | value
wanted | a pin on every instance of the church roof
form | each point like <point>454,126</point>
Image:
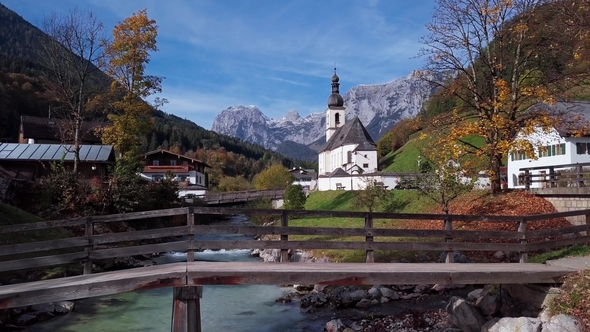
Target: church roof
<point>352,132</point>
<point>339,172</point>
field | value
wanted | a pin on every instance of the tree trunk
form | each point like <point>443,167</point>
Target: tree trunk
<point>495,180</point>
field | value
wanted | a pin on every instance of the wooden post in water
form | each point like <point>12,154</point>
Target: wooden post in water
<point>88,231</point>
<point>190,222</point>
<point>450,255</point>
<point>523,255</point>
<point>370,255</point>
<point>186,309</point>
<point>284,237</point>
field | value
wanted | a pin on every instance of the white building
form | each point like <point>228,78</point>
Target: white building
<point>556,147</point>
<point>350,154</point>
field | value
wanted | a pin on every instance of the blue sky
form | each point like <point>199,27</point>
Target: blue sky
<point>276,54</point>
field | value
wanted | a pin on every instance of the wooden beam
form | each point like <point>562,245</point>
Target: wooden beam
<point>238,273</point>
<point>186,308</point>
<point>341,245</point>
<point>28,263</point>
<point>375,232</point>
<point>90,285</point>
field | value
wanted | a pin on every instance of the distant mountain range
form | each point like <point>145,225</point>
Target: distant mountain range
<point>378,106</point>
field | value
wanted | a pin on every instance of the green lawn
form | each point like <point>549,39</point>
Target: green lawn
<point>338,200</point>
<point>575,250</point>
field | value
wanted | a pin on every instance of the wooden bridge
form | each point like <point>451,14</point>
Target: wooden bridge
<point>188,278</point>
<point>234,197</point>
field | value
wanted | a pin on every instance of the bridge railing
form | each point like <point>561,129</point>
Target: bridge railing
<point>90,247</point>
<point>566,175</point>
<point>242,196</point>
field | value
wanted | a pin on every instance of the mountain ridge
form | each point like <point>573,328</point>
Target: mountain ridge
<point>378,106</point>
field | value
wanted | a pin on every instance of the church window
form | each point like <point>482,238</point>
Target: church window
<point>365,165</point>
<point>337,118</point>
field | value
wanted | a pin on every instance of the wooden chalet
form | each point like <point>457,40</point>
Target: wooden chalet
<point>189,172</point>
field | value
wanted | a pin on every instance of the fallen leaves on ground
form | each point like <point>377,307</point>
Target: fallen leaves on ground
<point>514,203</point>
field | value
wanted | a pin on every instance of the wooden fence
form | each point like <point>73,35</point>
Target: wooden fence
<point>89,247</point>
<point>567,175</point>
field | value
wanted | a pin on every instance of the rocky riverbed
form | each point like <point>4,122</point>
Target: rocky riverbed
<point>444,308</point>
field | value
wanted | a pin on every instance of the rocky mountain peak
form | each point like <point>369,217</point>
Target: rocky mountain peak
<point>292,116</point>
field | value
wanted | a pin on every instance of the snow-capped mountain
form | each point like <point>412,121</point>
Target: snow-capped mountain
<point>379,107</point>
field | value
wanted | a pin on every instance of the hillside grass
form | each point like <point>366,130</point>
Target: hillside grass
<point>10,215</point>
<point>405,159</point>
<point>338,200</point>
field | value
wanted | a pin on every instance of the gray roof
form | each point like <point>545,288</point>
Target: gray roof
<point>339,172</point>
<point>574,116</point>
<point>55,152</point>
<point>352,132</point>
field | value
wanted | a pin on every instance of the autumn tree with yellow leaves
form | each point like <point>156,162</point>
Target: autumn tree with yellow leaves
<point>128,54</point>
<point>501,85</point>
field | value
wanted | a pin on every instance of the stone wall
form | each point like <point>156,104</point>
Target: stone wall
<point>567,199</point>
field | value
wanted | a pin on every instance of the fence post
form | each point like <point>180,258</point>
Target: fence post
<point>190,222</point>
<point>284,237</point>
<point>523,255</point>
<point>370,255</point>
<point>580,176</point>
<point>588,228</point>
<point>527,179</point>
<point>450,255</point>
<point>552,180</point>
<point>186,309</point>
<point>88,232</point>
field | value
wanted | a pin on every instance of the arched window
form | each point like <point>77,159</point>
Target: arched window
<point>337,118</point>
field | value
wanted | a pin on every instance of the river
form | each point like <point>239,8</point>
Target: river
<point>223,308</point>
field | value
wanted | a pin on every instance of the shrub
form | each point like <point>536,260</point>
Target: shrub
<point>294,197</point>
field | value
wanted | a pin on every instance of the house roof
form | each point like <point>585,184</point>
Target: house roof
<point>574,117</point>
<point>162,151</point>
<point>55,129</point>
<point>55,152</point>
<point>352,132</point>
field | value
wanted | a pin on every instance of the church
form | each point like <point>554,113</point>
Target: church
<point>349,157</point>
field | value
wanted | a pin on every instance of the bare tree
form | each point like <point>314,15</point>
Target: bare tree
<point>71,57</point>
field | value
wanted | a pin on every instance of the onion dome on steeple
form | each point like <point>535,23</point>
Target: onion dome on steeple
<point>335,98</point>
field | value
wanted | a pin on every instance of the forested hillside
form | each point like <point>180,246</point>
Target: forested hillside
<point>25,90</point>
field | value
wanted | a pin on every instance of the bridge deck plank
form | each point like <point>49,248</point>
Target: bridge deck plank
<point>216,273</point>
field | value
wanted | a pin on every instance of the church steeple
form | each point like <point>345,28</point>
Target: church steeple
<point>335,98</point>
<point>336,111</point>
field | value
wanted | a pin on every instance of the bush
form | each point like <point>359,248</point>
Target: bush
<point>260,204</point>
<point>294,197</point>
